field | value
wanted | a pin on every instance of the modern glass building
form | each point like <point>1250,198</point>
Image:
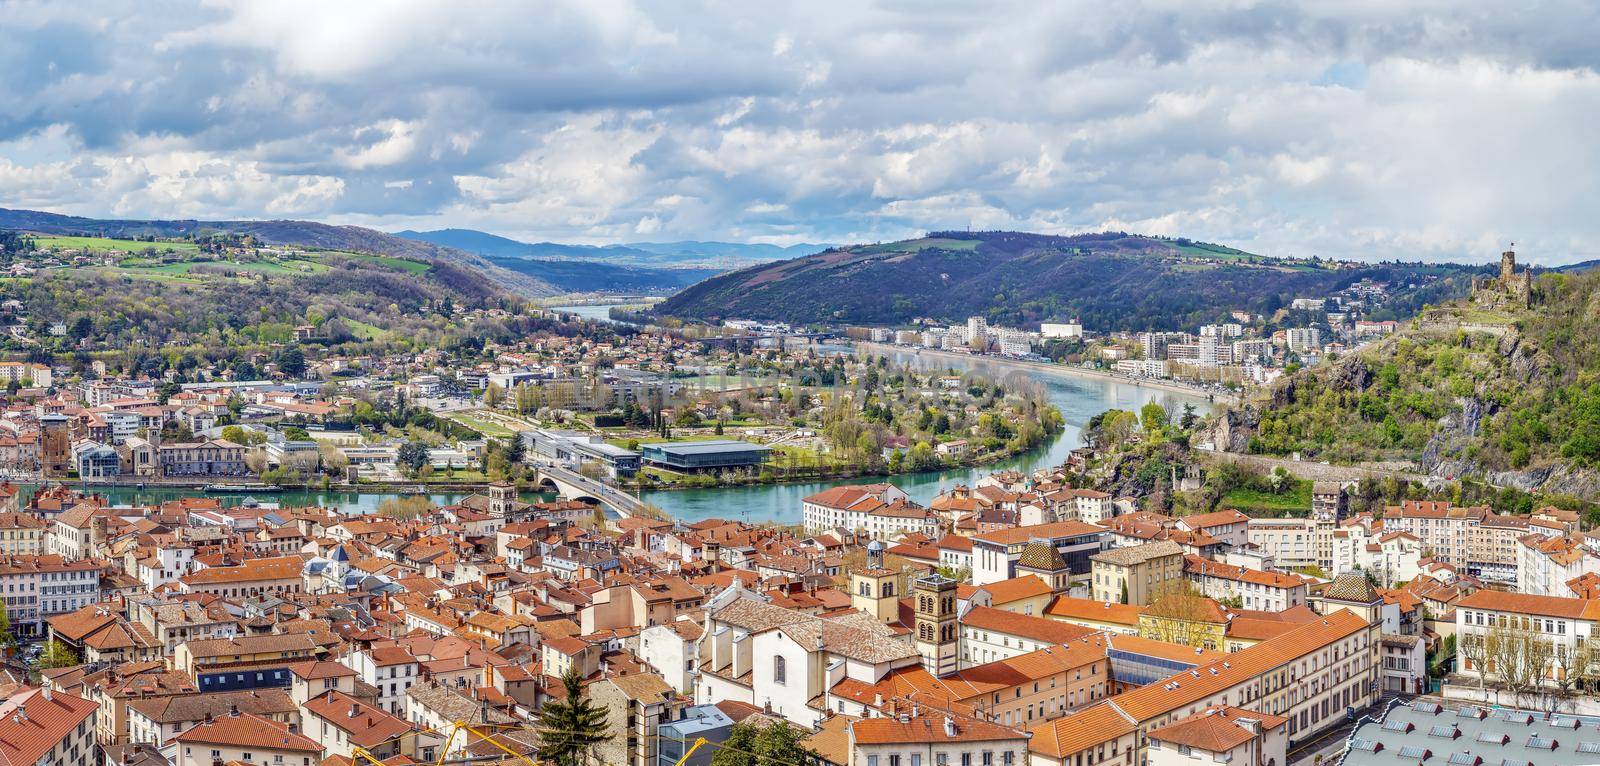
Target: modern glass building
<point>706,455</point>
<point>680,735</point>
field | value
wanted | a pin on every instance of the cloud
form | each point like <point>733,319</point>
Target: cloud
<point>1363,129</point>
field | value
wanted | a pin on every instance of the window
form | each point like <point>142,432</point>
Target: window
<point>780,672</point>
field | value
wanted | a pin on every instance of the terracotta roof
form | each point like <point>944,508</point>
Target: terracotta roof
<point>1016,589</point>
<point>1093,611</point>
<point>186,708</point>
<point>1085,728</point>
<point>1522,603</point>
<point>367,725</point>
<point>246,730</point>
<point>32,722</point>
<point>1207,568</point>
<point>1025,668</point>
<point>1216,729</point>
<point>1018,535</point>
<point>1027,626</point>
<point>1043,556</point>
<point>928,729</point>
<point>1153,700</point>
<point>1220,518</point>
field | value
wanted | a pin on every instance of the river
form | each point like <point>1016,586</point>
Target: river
<point>600,312</point>
<point>1078,398</point>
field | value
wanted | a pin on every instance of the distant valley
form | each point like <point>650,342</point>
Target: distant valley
<point>642,267</point>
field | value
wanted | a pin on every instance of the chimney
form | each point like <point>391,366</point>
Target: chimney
<point>45,692</point>
<point>233,711</point>
<point>877,700</point>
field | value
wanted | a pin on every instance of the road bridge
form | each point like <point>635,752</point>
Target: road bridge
<point>572,485</point>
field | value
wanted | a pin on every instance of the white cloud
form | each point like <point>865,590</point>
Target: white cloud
<point>1395,129</point>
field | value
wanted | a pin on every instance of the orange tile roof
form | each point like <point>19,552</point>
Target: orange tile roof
<point>366,725</point>
<point>1150,701</point>
<point>1073,733</point>
<point>1195,565</point>
<point>246,730</point>
<point>1026,626</point>
<point>1017,535</point>
<point>32,722</point>
<point>928,728</point>
<point>1026,668</point>
<point>1215,729</point>
<point>1523,603</point>
<point>1016,589</point>
<point>1093,611</point>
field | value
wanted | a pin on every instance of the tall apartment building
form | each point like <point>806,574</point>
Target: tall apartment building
<point>1476,540</point>
<point>1294,542</point>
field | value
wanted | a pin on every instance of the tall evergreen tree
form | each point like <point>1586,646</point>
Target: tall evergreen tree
<point>570,728</point>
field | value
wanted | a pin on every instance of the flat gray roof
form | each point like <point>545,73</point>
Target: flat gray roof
<point>1500,737</point>
<point>706,447</point>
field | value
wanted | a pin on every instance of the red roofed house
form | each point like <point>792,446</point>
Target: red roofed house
<point>41,726</point>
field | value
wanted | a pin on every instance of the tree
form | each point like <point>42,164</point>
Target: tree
<point>1474,651</point>
<point>1153,417</point>
<point>411,457</point>
<point>515,450</point>
<point>1188,420</point>
<point>493,395</point>
<point>256,461</point>
<point>57,655</point>
<point>775,744</point>
<point>570,728</point>
<point>7,639</point>
<point>405,508</point>
<point>292,362</point>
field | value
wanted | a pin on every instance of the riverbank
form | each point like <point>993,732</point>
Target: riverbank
<point>1054,369</point>
<point>854,473</point>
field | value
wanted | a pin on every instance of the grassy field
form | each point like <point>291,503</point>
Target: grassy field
<point>1212,251</point>
<point>1296,501</point>
<point>365,331</point>
<point>101,244</point>
<point>485,427</point>
<point>916,245</point>
<point>415,267</point>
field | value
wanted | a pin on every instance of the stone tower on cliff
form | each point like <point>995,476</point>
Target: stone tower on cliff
<point>1511,290</point>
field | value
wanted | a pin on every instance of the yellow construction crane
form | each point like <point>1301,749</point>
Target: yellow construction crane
<point>361,754</point>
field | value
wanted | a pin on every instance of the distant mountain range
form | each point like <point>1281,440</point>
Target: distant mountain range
<point>716,255</point>
<point>280,232</point>
<point>1109,280</point>
<point>639,267</point>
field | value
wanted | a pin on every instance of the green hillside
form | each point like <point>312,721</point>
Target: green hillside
<point>1508,396</point>
<point>1109,280</point>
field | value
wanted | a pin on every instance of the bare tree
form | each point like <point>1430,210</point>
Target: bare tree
<point>1474,648</point>
<point>1180,615</point>
<point>256,461</point>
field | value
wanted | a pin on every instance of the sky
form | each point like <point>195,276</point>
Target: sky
<point>1369,129</point>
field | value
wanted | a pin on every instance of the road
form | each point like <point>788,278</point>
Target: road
<point>623,503</point>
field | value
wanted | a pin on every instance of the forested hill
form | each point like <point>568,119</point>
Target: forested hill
<point>282,232</point>
<point>1109,280</point>
<point>1510,397</point>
